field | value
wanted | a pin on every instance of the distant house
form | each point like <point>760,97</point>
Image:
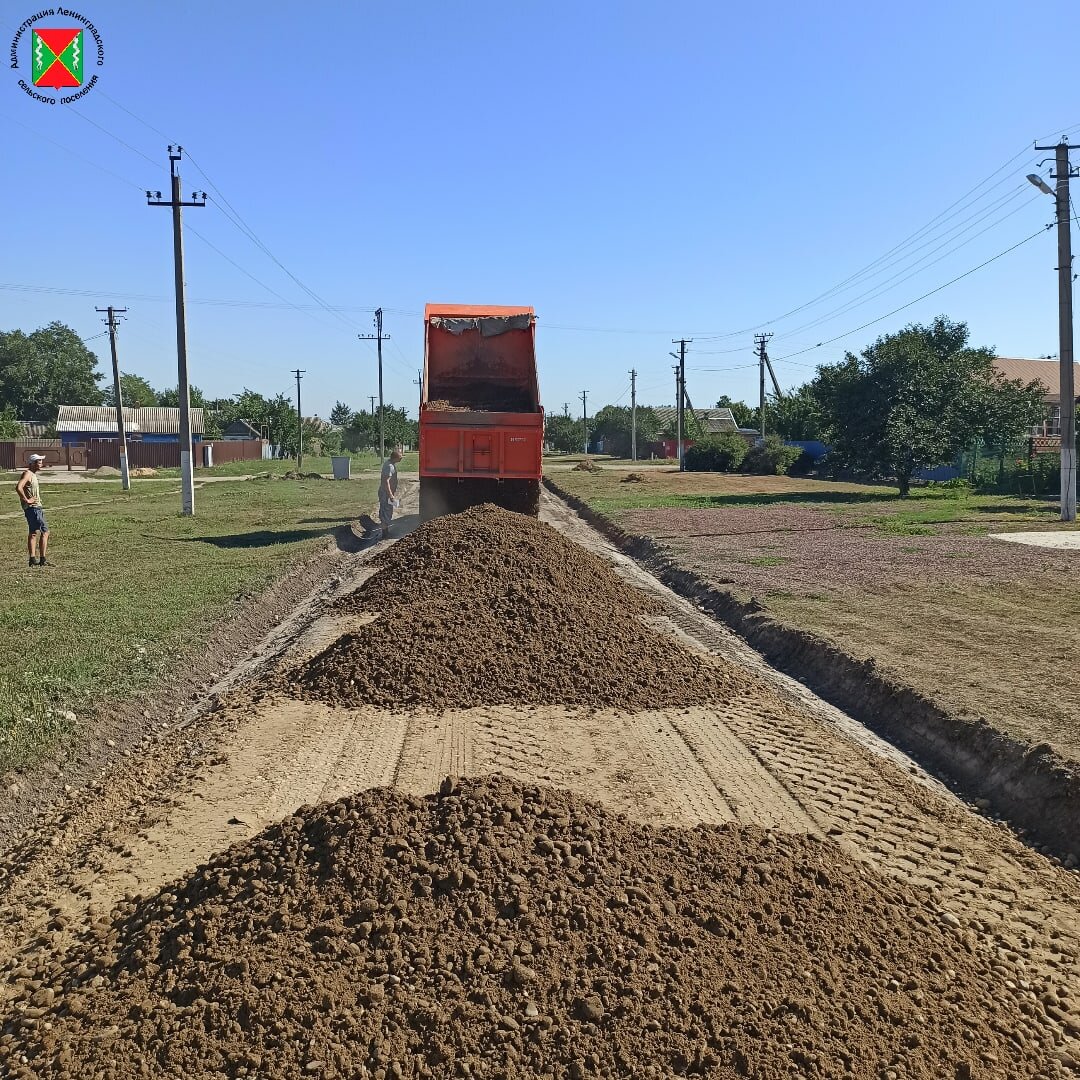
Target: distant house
<point>79,424</point>
<point>1047,435</point>
<point>711,421</point>
<point>240,430</point>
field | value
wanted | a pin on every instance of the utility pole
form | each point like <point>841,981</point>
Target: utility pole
<point>763,359</point>
<point>585,418</point>
<point>371,398</point>
<point>299,421</point>
<point>1062,172</point>
<point>566,409</point>
<point>680,415</point>
<point>379,337</point>
<point>633,415</point>
<point>111,321</point>
<point>175,202</point>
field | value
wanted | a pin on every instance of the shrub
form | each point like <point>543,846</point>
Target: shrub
<point>771,457</point>
<point>716,453</point>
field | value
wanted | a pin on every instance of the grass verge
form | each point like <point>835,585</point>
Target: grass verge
<point>136,586</point>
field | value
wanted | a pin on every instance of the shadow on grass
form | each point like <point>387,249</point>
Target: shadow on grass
<point>1032,507</point>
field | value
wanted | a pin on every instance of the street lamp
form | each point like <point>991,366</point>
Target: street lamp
<point>1040,183</point>
<point>1066,390</point>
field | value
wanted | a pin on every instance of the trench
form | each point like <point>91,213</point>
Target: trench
<point>1030,786</point>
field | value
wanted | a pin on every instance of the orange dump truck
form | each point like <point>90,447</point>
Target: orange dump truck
<point>481,424</point>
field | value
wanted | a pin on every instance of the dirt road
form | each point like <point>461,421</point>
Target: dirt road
<point>778,758</point>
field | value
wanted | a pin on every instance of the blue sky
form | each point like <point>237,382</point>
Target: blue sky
<point>636,171</point>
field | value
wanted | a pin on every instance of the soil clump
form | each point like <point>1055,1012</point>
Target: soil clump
<point>506,931</point>
<point>586,466</point>
<point>488,607</point>
<point>633,478</point>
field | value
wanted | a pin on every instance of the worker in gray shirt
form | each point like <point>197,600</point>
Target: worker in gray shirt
<point>388,490</point>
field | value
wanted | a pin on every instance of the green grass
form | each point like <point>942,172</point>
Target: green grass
<point>763,560</point>
<point>137,587</point>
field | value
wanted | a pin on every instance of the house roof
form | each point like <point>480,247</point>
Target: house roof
<point>243,427</point>
<point>1047,372</point>
<point>714,421</point>
<point>31,429</point>
<point>102,418</point>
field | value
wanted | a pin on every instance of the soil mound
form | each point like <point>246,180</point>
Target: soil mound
<point>488,607</point>
<point>105,471</point>
<point>445,406</point>
<point>504,931</point>
<point>633,478</point>
<point>586,466</point>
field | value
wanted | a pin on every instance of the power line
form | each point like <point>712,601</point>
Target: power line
<point>888,314</point>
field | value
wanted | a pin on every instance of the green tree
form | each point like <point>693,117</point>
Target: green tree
<point>43,370</point>
<point>910,401</point>
<point>170,399</point>
<point>563,434</point>
<point>340,415</point>
<point>9,424</point>
<point>362,431</point>
<point>745,416</point>
<point>1009,409</point>
<point>612,423</point>
<point>797,415</point>
<point>135,392</point>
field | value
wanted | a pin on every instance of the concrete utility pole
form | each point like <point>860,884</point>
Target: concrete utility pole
<point>760,341</point>
<point>585,418</point>
<point>680,414</point>
<point>379,337</point>
<point>299,421</point>
<point>175,202</point>
<point>1062,172</point>
<point>633,415</point>
<point>111,321</point>
<point>371,398</point>
<point>566,409</point>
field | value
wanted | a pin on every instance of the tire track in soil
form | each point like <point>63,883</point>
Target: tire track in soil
<point>883,808</point>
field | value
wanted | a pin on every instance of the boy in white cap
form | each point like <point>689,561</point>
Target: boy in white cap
<point>30,496</point>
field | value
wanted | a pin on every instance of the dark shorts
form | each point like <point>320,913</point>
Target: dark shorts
<point>35,519</point>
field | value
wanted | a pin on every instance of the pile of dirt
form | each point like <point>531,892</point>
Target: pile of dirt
<point>144,470</point>
<point>502,931</point>
<point>488,607</point>
<point>633,478</point>
<point>292,474</point>
<point>104,471</point>
<point>445,406</point>
<point>586,466</point>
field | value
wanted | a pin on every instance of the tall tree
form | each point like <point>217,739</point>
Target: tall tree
<point>910,401</point>
<point>340,414</point>
<point>612,424</point>
<point>745,416</point>
<point>43,370</point>
<point>563,433</point>
<point>135,392</point>
<point>796,416</point>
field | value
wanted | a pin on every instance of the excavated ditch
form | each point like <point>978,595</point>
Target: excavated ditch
<point>488,607</point>
<point>499,930</point>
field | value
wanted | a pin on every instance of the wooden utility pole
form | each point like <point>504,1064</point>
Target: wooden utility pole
<point>633,415</point>
<point>379,337</point>
<point>175,202</point>
<point>299,421</point>
<point>760,341</point>
<point>111,321</point>
<point>680,415</point>
<point>585,418</point>
<point>1062,172</point>
<point>371,398</point>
